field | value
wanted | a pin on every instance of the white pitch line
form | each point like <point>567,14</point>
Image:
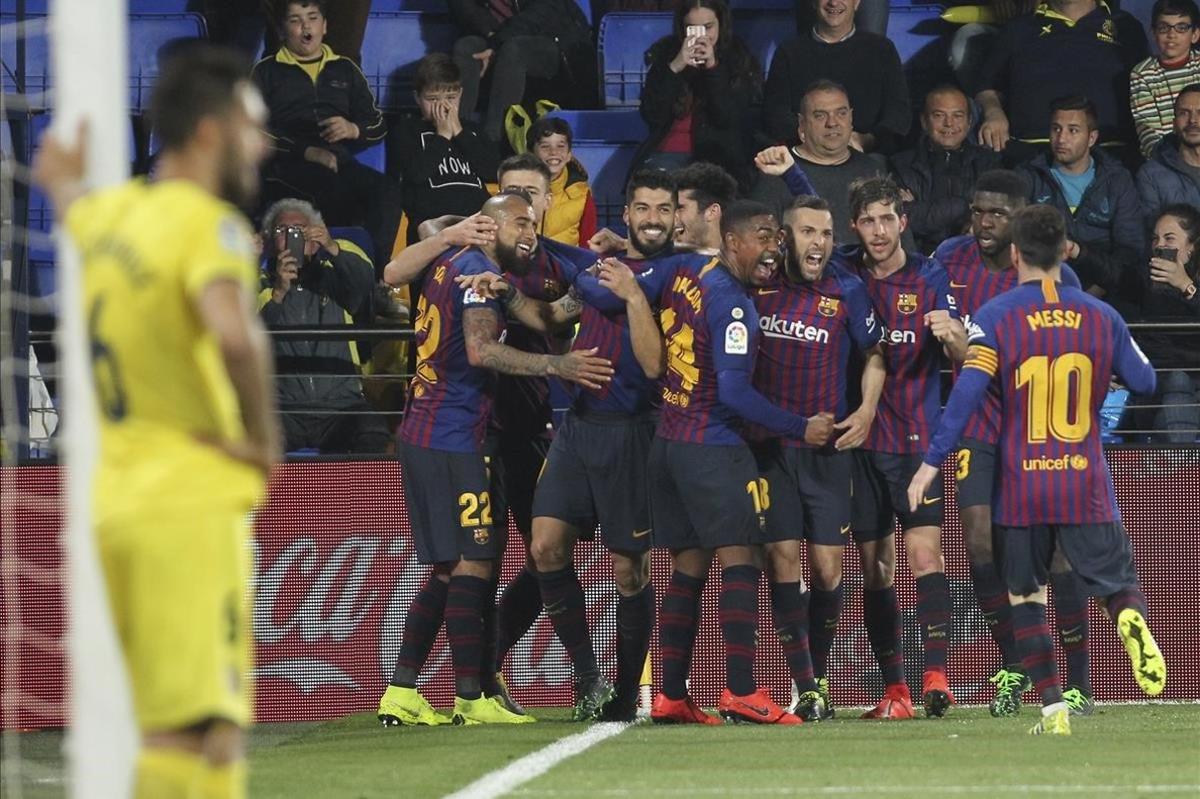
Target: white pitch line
<point>535,764</point>
<point>874,790</point>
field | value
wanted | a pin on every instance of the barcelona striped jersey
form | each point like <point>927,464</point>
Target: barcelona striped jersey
<point>449,399</point>
<point>1051,350</point>
<point>911,400</point>
<point>973,284</point>
<point>808,332</point>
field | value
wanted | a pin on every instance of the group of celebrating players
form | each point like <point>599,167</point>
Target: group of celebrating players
<point>742,386</point>
<point>740,335</point>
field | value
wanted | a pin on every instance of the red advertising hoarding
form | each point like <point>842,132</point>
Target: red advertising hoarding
<point>334,571</point>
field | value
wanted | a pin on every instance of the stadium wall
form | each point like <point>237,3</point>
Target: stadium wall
<point>334,570</point>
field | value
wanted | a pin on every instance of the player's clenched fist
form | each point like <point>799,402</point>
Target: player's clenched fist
<point>949,331</point>
<point>819,429</point>
<point>774,160</point>
<point>619,279</point>
<point>582,367</point>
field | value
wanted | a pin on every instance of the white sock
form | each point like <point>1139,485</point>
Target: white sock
<point>1050,710</point>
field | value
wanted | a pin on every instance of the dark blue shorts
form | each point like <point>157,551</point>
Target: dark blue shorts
<point>514,465</point>
<point>449,505</point>
<point>704,496</point>
<point>596,474</point>
<point>809,493</point>
<point>1099,553</point>
<point>975,473</point>
<point>881,495</point>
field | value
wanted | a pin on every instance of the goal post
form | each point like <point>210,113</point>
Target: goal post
<point>89,39</point>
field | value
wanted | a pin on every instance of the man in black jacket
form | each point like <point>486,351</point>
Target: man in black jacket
<point>320,395</point>
<point>1097,196</point>
<point>937,177</point>
<point>512,39</point>
<point>322,112</point>
<point>867,64</point>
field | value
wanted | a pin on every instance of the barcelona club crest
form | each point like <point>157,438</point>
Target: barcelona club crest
<point>481,535</point>
<point>906,303</point>
<point>828,306</point>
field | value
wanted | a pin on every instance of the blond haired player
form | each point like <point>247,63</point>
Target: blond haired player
<point>182,377</point>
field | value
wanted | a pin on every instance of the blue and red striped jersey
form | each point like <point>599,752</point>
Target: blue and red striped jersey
<point>710,326</point>
<point>630,391</point>
<point>973,284</point>
<point>808,332</point>
<point>449,400</point>
<point>522,405</point>
<point>911,401</point>
<point>1051,350</point>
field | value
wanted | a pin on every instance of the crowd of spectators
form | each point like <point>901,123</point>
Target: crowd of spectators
<point>1065,91</point>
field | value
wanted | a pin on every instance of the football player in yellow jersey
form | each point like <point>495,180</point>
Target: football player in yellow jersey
<point>182,374</point>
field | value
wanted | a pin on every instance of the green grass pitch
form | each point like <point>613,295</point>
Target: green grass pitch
<point>1121,751</point>
<point>1124,750</point>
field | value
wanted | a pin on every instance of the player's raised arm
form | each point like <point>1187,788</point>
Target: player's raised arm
<point>476,230</point>
<point>59,169</point>
<point>644,332</point>
<point>544,317</point>
<point>227,312</point>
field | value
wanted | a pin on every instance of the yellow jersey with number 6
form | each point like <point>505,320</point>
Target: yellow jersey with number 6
<point>162,393</point>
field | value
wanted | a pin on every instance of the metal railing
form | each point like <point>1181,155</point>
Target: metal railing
<point>43,415</point>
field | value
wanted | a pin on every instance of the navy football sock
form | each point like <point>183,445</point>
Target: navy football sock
<point>933,614</point>
<point>790,607</point>
<point>421,625</point>
<point>996,610</point>
<point>1037,650</point>
<point>1127,598</point>
<point>488,664</point>
<point>677,623</point>
<point>464,628</point>
<point>824,608</point>
<point>1071,612</point>
<point>635,621</point>
<point>738,610</point>
<point>882,617</point>
<point>519,607</point>
<point>562,596</point>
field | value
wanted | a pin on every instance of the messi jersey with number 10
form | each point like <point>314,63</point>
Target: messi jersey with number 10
<point>449,400</point>
<point>1051,350</point>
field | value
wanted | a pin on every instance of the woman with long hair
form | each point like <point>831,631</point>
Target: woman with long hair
<point>698,93</point>
<point>1171,279</point>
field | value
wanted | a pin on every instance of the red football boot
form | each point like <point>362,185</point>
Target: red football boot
<point>678,711</point>
<point>896,704</point>
<point>757,708</point>
<point>936,693</point>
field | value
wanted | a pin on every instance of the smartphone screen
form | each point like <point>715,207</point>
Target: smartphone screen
<point>295,243</point>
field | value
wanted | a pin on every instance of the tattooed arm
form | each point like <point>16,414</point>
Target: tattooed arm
<point>481,331</point>
<point>544,317</point>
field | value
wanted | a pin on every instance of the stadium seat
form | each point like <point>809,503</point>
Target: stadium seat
<point>374,156</point>
<point>394,42</point>
<point>915,28</point>
<point>622,43</point>
<point>763,31</point>
<point>158,6</point>
<point>438,6</point>
<point>151,38</point>
<point>605,143</point>
<point>356,235</point>
<point>34,80</point>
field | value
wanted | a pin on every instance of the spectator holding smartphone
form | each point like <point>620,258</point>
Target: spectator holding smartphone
<point>698,93</point>
<point>1170,295</point>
